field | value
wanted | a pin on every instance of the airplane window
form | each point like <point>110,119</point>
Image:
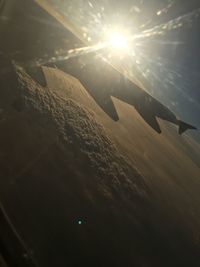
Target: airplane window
<point>99,133</point>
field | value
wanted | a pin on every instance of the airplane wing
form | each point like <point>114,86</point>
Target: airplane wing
<point>106,103</point>
<point>52,10</point>
<point>150,118</point>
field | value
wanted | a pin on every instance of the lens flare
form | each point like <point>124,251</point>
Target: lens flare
<point>118,41</point>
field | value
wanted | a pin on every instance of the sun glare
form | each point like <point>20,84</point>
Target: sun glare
<point>118,41</point>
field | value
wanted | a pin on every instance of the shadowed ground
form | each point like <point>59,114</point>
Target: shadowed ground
<point>63,160</point>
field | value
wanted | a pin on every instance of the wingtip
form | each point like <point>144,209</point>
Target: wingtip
<point>183,126</point>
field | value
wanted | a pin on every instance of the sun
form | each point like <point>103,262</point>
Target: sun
<point>118,41</point>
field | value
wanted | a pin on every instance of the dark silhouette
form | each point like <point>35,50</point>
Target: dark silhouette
<point>12,248</point>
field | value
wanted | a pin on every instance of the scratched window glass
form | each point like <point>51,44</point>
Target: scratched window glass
<point>99,133</point>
